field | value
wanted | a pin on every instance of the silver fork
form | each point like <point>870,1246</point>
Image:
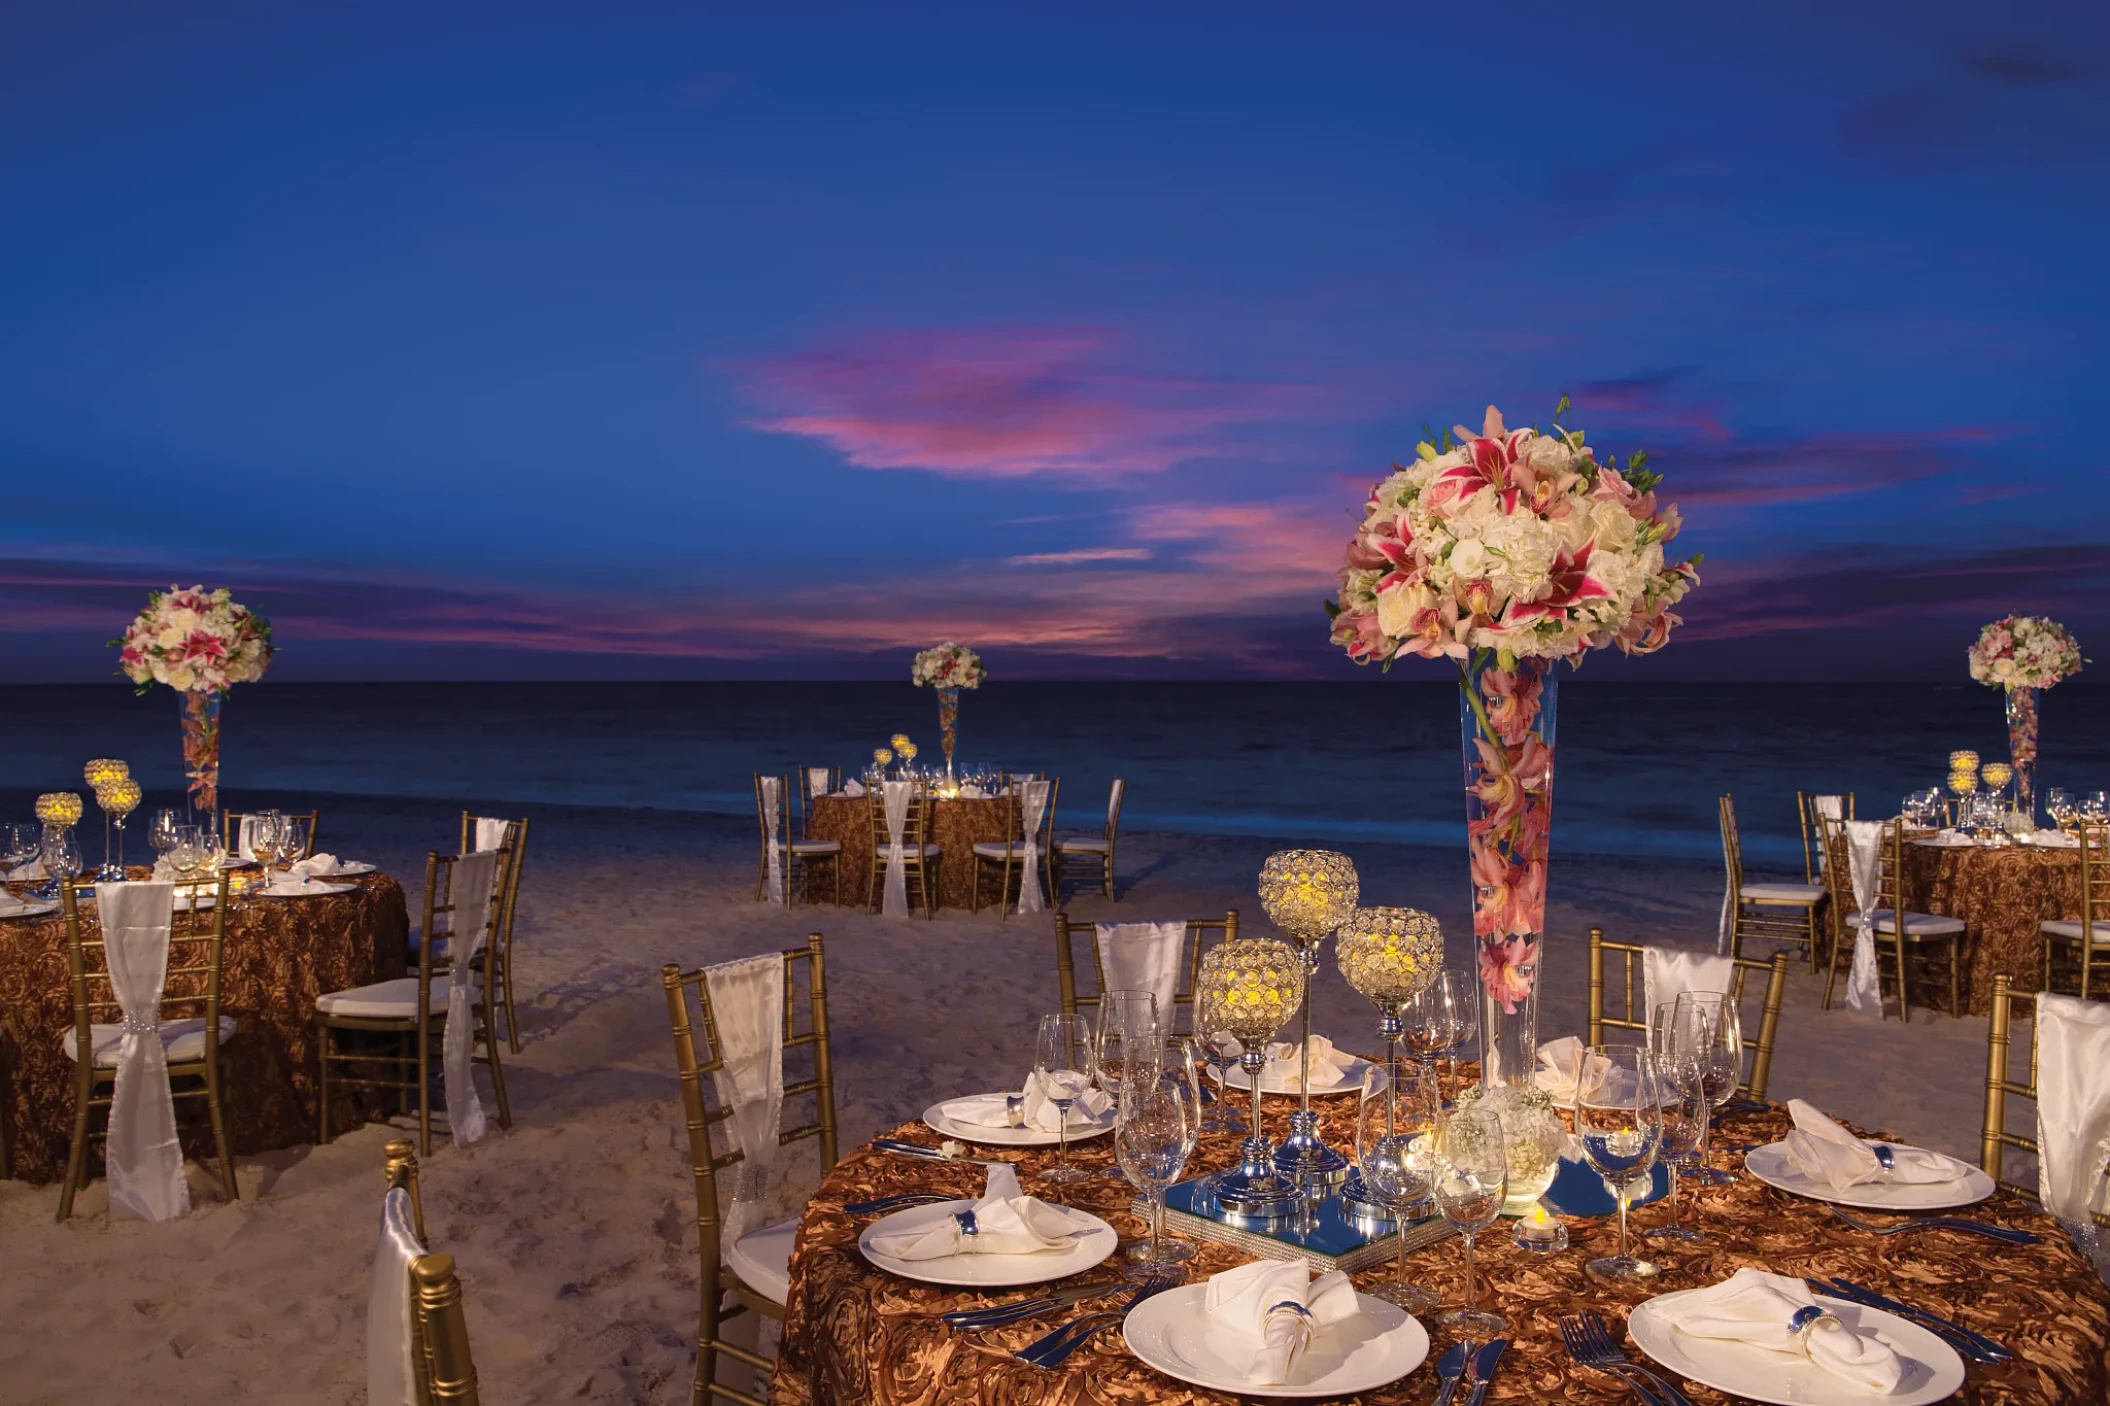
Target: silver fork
<point>1579,1349</point>
<point>1055,1348</point>
<point>2005,1234</point>
<point>1001,1315</point>
<point>1603,1351</point>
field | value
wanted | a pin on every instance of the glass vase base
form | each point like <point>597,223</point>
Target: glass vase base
<point>1672,1232</point>
<point>1164,1251</point>
<point>1620,1269</point>
<point>1411,1297</point>
<point>1472,1323</point>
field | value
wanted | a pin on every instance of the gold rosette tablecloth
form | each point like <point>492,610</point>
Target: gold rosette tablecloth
<point>857,1336</point>
<point>957,827</point>
<point>2001,895</point>
<point>279,955</point>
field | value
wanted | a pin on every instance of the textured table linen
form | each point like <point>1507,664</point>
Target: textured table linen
<point>2001,895</point>
<point>855,1334</point>
<point>959,825</point>
<point>280,954</point>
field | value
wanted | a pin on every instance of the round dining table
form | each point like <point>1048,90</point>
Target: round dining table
<point>855,1335</point>
<point>958,824</point>
<point>2002,894</point>
<point>278,955</point>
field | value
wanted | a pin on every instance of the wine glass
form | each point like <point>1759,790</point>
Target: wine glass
<point>1062,1058</point>
<point>22,844</point>
<point>186,852</point>
<point>1130,1049</point>
<point>1181,1077</point>
<point>1443,1018</point>
<point>1721,1053</point>
<point>161,831</point>
<point>1219,1048</point>
<point>1397,1128</point>
<point>62,855</point>
<point>293,842</point>
<point>2058,804</point>
<point>1471,1183</point>
<point>1619,1122</point>
<point>2095,807</point>
<point>259,835</point>
<point>1685,1108</point>
<point>1151,1123</point>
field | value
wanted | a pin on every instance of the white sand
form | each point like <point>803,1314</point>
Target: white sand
<point>573,1229</point>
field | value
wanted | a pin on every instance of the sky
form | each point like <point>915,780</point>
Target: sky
<point>774,341</point>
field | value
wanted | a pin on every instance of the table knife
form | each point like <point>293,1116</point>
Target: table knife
<point>1449,1370</point>
<point>1484,1363</point>
<point>1993,1349</point>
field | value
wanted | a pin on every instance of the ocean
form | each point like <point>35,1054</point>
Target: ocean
<point>1639,765</point>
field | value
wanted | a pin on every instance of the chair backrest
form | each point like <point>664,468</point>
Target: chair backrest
<point>2095,894</point>
<point>1995,1138</point>
<point>1066,967</point>
<point>694,1060</point>
<point>1812,818</point>
<point>231,828</point>
<point>1044,834</point>
<point>915,824</point>
<point>1838,869</point>
<point>445,1369</point>
<point>515,839</point>
<point>442,903</point>
<point>1113,807</point>
<point>399,1172</point>
<point>197,933</point>
<point>1631,957</point>
<point>813,782</point>
<point>1732,843</point>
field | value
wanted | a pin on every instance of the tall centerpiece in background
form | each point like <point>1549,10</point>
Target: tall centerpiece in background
<point>1508,551</point>
<point>948,668</point>
<point>199,643</point>
<point>2023,654</point>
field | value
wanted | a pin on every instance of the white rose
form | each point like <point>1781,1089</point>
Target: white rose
<point>1612,527</point>
<point>1548,456</point>
<point>180,677</point>
<point>1396,607</point>
<point>1469,559</point>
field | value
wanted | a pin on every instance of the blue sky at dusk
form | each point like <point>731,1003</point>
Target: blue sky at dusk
<point>767,341</point>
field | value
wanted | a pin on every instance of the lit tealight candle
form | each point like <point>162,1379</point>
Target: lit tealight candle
<point>1538,1230</point>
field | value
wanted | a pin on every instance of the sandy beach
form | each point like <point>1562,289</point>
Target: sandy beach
<point>573,1229</point>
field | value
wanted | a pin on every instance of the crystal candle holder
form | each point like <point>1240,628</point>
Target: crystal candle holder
<point>1248,989</point>
<point>1309,893</point>
<point>1390,956</point>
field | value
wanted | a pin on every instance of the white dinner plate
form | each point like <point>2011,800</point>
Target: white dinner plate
<point>2051,839</point>
<point>314,889</point>
<point>1173,1333</point>
<point>31,909</point>
<point>1770,1164</point>
<point>1947,842</point>
<point>1933,1371</point>
<point>1081,1127</point>
<point>990,1271</point>
<point>1280,1077</point>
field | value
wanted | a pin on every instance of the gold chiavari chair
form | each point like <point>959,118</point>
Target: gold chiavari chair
<point>797,856</point>
<point>1008,857</point>
<point>441,1368</point>
<point>1780,912</point>
<point>1631,956</point>
<point>1094,848</point>
<point>920,857</point>
<point>755,1269</point>
<point>413,1010</point>
<point>1807,807</point>
<point>1068,932</point>
<point>1995,1138</point>
<point>231,828</point>
<point>1929,936</point>
<point>814,783</point>
<point>513,834</point>
<point>192,1028</point>
<point>2073,946</point>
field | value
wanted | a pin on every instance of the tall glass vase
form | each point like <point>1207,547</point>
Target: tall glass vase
<point>1506,715</point>
<point>2022,747</point>
<point>201,750</point>
<point>948,722</point>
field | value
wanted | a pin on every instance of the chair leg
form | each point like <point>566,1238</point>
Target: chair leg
<point>77,1156</point>
<point>1809,926</point>
<point>218,1113</point>
<point>322,1085</point>
<point>424,1040</point>
<point>498,1072</point>
<point>1955,977</point>
<point>505,960</point>
<point>1904,986</point>
<point>1110,878</point>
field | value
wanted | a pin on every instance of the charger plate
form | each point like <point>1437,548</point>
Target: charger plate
<point>1771,1165</point>
<point>1173,1333</point>
<point>1081,1129</point>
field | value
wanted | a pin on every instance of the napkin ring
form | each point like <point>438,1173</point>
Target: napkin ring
<point>1299,1320</point>
<point>967,1223</point>
<point>1015,1110</point>
<point>1808,1317</point>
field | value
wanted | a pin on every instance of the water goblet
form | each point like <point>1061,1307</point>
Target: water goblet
<point>1129,1051</point>
<point>1062,1058</point>
<point>259,835</point>
<point>1151,1124</point>
<point>1219,1049</point>
<point>161,831</point>
<point>1182,1079</point>
<point>2095,807</point>
<point>1443,1019</point>
<point>1471,1182</point>
<point>1721,1053</point>
<point>1685,1109</point>
<point>1619,1121</point>
<point>62,856</point>
<point>294,841</point>
<point>21,843</point>
<point>1398,1125</point>
<point>2058,804</point>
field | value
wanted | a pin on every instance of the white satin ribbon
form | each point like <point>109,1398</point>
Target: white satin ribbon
<point>474,875</point>
<point>773,841</point>
<point>1033,796</point>
<point>391,1379</point>
<point>747,1013</point>
<point>2073,1107</point>
<point>145,1160</point>
<point>1864,852</point>
<point>895,796</point>
<point>1830,808</point>
<point>489,834</point>
<point>1144,957</point>
<point>245,836</point>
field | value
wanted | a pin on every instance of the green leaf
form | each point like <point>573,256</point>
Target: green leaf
<point>1333,609</point>
<point>1636,459</point>
<point>1562,408</point>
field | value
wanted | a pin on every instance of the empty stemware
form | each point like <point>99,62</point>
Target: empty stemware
<point>1130,1049</point>
<point>1619,1122</point>
<point>1685,1109</point>
<point>1443,1019</point>
<point>1146,1160</point>
<point>1722,1063</point>
<point>1398,1125</point>
<point>1471,1183</point>
<point>1062,1058</point>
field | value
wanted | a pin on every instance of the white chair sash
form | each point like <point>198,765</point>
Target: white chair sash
<point>474,875</point>
<point>2073,1107</point>
<point>1143,957</point>
<point>145,1160</point>
<point>1033,802</point>
<point>895,795</point>
<point>1667,973</point>
<point>1864,855</point>
<point>391,1341</point>
<point>747,1012</point>
<point>1831,808</point>
<point>773,838</point>
<point>244,837</point>
<point>489,833</point>
<point>816,781</point>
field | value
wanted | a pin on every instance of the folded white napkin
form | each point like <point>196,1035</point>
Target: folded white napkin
<point>1246,1300</point>
<point>1827,1153</point>
<point>26,873</point>
<point>1329,1066</point>
<point>314,867</point>
<point>853,789</point>
<point>1754,1307</point>
<point>1561,1061</point>
<point>992,1110</point>
<point>2054,839</point>
<point>973,793</point>
<point>1003,1222</point>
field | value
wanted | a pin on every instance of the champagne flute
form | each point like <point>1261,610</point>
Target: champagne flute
<point>1151,1143</point>
<point>1182,1075</point>
<point>1398,1125</point>
<point>1619,1122</point>
<point>1721,1053</point>
<point>1062,1059</point>
<point>1685,1108</point>
<point>161,830</point>
<point>1471,1182</point>
<point>1130,1050</point>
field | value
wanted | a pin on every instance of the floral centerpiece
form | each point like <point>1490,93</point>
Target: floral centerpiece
<point>200,643</point>
<point>2022,654</point>
<point>1509,551</point>
<point>948,668</point>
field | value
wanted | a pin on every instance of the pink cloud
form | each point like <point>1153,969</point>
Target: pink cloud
<point>1005,403</point>
<point>1081,556</point>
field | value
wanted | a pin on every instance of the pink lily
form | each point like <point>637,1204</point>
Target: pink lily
<point>1572,585</point>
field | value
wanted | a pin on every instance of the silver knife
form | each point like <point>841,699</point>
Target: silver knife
<point>1484,1362</point>
<point>1449,1370</point>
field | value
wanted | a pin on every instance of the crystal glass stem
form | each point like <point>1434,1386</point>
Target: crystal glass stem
<point>1622,1225</point>
<point>1668,1162</point>
<point>1157,1219</point>
<point>1472,1288</point>
<point>1399,1277</point>
<point>1062,1133</point>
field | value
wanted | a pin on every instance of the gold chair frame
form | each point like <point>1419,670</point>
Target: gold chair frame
<point>231,827</point>
<point>1758,917</point>
<point>188,928</point>
<point>1013,862</point>
<point>1995,1138</point>
<point>1198,930</point>
<point>792,828</point>
<point>1890,892</point>
<point>1115,798</point>
<point>716,1279</point>
<point>1761,1046</point>
<point>441,1367</point>
<point>832,777</point>
<point>916,829</point>
<point>413,1072</point>
<point>516,836</point>
<point>2095,912</point>
<point>1813,830</point>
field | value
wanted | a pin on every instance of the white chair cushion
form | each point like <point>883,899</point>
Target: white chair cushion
<point>928,850</point>
<point>1916,924</point>
<point>992,849</point>
<point>762,1259</point>
<point>387,999</point>
<point>1092,845</point>
<point>184,1040</point>
<point>2070,929</point>
<point>1781,893</point>
<point>816,846</point>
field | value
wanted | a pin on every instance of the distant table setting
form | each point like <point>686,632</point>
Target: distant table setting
<point>2003,893</point>
<point>958,823</point>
